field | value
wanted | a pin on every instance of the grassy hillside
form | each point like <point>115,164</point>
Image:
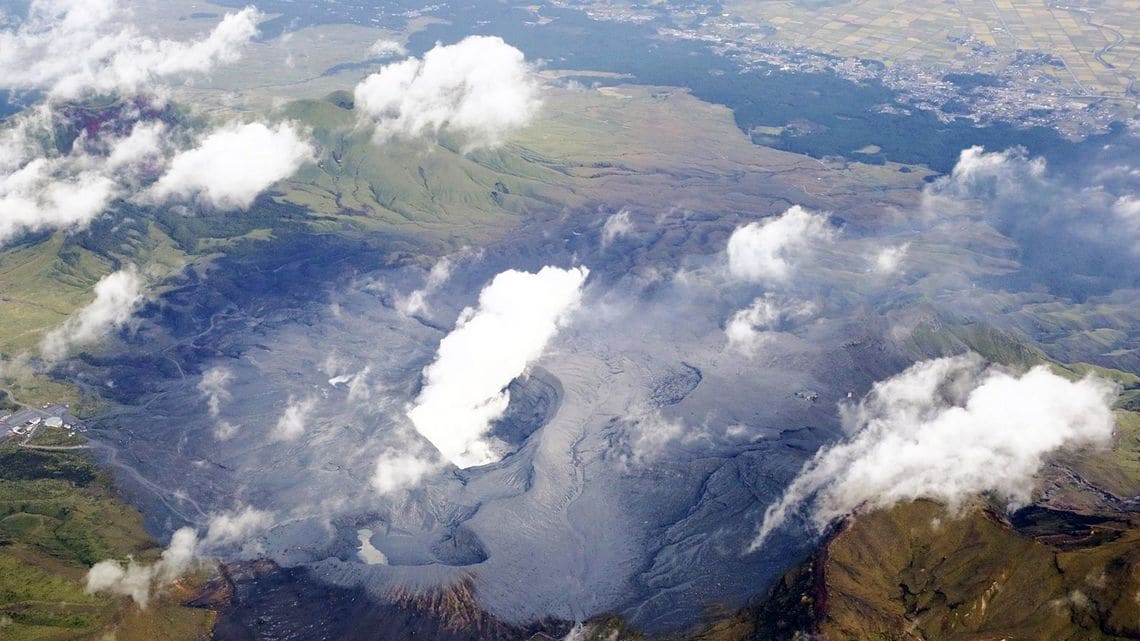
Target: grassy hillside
<point>43,283</point>
<point>916,573</point>
<point>415,186</point>
<point>912,572</point>
<point>612,147</point>
<point>58,516</point>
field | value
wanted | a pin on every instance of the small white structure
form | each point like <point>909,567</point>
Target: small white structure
<point>54,421</point>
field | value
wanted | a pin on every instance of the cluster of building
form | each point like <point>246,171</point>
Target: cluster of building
<point>1027,89</point>
<point>25,422</point>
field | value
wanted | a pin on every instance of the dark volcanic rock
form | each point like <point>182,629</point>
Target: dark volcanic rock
<point>271,602</point>
<point>535,399</point>
<point>675,386</point>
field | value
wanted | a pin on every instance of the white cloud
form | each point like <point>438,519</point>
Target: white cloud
<point>768,250</point>
<point>70,48</point>
<point>359,388</point>
<point>139,580</point>
<point>232,165</point>
<point>1126,208</point>
<point>50,193</point>
<point>416,302</point>
<point>1074,229</point>
<point>465,388</point>
<point>947,429</point>
<point>762,321</point>
<point>616,226</point>
<point>357,383</point>
<point>649,434</point>
<point>225,430</point>
<point>889,259</point>
<point>212,387</point>
<point>235,528</point>
<point>144,144</point>
<point>982,174</point>
<point>293,420</point>
<point>384,48</point>
<point>480,88</point>
<point>116,297</point>
<point>398,471</point>
<point>42,188</point>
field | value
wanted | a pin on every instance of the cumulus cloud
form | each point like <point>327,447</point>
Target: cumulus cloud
<point>51,193</point>
<point>947,429</point>
<point>767,251</point>
<point>982,174</point>
<point>42,187</point>
<point>70,48</point>
<point>764,319</point>
<point>647,436</point>
<point>74,49</point>
<point>235,528</point>
<point>293,420</point>
<point>140,580</point>
<point>480,88</point>
<point>397,471</point>
<point>45,187</point>
<point>357,384</point>
<point>232,165</point>
<point>1127,211</point>
<point>116,297</point>
<point>616,226</point>
<point>384,48</point>
<point>225,430</point>
<point>416,302</point>
<point>465,387</point>
<point>1073,232</point>
<point>144,144</point>
<point>213,386</point>
<point>889,259</point>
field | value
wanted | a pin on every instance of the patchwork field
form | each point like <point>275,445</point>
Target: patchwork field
<point>1096,41</point>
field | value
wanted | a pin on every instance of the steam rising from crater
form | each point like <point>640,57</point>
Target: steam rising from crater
<point>491,345</point>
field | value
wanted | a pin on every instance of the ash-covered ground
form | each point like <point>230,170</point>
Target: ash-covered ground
<point>641,449</point>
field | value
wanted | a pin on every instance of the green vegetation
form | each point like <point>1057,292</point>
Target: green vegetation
<point>49,277</point>
<point>43,282</point>
<point>58,516</point>
<point>914,572</point>
<point>22,464</point>
<point>56,437</point>
<point>943,337</point>
<point>7,403</point>
<point>1116,470</point>
<point>584,148</point>
<point>36,389</point>
<point>917,573</point>
<point>413,186</point>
